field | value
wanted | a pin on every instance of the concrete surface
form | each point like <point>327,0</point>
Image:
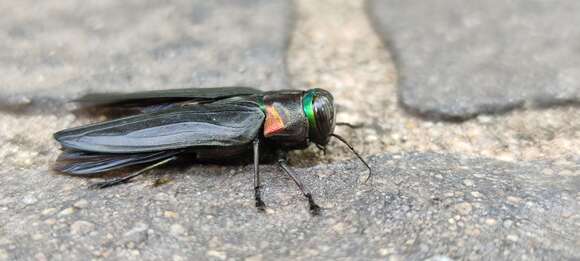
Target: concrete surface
<point>419,206</point>
<point>334,46</point>
<point>458,59</point>
<point>58,51</point>
<point>441,190</point>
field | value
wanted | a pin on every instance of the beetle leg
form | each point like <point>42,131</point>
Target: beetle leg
<point>322,148</point>
<point>314,208</point>
<point>257,185</point>
<point>117,181</point>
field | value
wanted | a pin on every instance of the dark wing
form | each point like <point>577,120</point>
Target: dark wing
<point>147,98</point>
<point>213,124</point>
<point>84,163</point>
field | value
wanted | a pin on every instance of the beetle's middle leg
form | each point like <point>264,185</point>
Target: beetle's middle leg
<point>283,162</point>
<point>257,184</point>
<point>117,181</point>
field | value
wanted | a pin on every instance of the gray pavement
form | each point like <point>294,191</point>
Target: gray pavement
<point>418,206</point>
<point>55,52</point>
<point>458,59</point>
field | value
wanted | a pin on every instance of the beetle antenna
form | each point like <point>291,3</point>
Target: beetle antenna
<point>355,153</point>
<point>350,125</point>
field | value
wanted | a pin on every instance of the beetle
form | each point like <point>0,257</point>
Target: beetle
<point>201,124</point>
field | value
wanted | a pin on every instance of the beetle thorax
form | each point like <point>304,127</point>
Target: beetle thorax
<point>286,125</point>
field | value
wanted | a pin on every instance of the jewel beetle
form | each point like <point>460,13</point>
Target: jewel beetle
<point>199,124</point>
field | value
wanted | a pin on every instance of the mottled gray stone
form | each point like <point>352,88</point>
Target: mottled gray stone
<point>51,52</point>
<point>419,206</point>
<point>457,58</point>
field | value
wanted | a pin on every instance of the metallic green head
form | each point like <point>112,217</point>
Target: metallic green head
<point>318,106</point>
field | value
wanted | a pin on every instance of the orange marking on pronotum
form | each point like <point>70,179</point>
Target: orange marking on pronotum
<point>274,122</point>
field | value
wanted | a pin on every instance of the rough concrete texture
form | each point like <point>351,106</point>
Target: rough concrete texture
<point>52,52</point>
<point>458,59</point>
<point>419,206</point>
<point>335,47</point>
<point>435,205</point>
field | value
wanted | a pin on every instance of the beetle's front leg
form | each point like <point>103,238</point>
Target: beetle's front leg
<point>257,184</point>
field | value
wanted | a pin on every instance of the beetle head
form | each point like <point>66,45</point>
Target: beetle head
<point>318,106</point>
